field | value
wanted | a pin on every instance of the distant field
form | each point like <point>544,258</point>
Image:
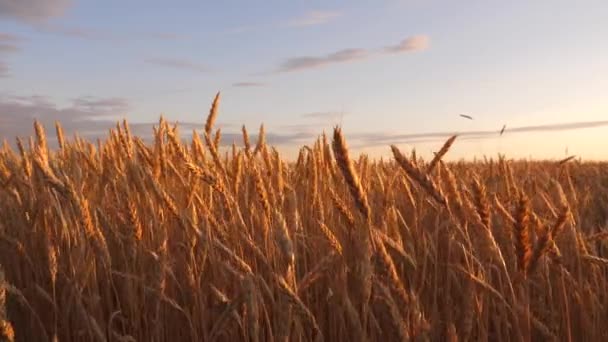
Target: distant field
<point>127,241</point>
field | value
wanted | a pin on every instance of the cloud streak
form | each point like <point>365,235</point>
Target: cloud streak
<point>310,18</point>
<point>85,115</point>
<point>3,70</point>
<point>247,84</point>
<point>414,43</point>
<point>377,139</point>
<point>91,118</point>
<point>408,45</point>
<point>97,34</point>
<point>104,105</point>
<point>308,62</point>
<point>177,64</point>
<point>6,48</point>
<point>8,37</point>
<point>8,44</point>
<point>329,115</point>
<point>313,18</point>
<point>75,32</point>
<point>33,11</point>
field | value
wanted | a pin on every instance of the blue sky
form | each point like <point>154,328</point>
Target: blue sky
<point>385,70</point>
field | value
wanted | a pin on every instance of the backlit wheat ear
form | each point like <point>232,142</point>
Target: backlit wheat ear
<point>218,138</point>
<point>348,171</point>
<point>521,233</point>
<point>42,146</point>
<point>331,238</point>
<point>60,136</point>
<point>342,208</point>
<point>423,180</point>
<point>444,149</point>
<point>7,333</point>
<point>246,141</point>
<point>300,308</point>
<point>481,203</point>
<point>261,144</point>
<point>283,239</point>
<point>212,114</point>
<point>565,160</point>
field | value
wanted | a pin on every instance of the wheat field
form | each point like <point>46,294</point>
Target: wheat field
<point>121,240</point>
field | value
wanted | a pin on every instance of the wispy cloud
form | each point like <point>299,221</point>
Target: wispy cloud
<point>243,29</point>
<point>178,64</point>
<point>4,48</point>
<point>33,11</point>
<point>75,32</point>
<point>247,84</point>
<point>308,62</point>
<point>163,35</point>
<point>8,44</point>
<point>556,127</point>
<point>410,44</point>
<point>282,139</point>
<point>103,105</point>
<point>3,70</point>
<point>377,139</point>
<point>87,33</point>
<point>38,12</point>
<point>414,43</point>
<point>323,115</point>
<point>9,37</point>
<point>85,115</point>
<point>313,18</point>
<point>310,18</point>
<point>91,118</point>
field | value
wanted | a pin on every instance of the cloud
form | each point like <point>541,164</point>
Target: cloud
<point>105,105</point>
<point>290,139</point>
<point>331,115</point>
<point>97,34</point>
<point>178,64</point>
<point>307,62</point>
<point>313,18</point>
<point>8,44</point>
<point>90,118</point>
<point>303,130</point>
<point>33,11</point>
<point>247,84</point>
<point>410,44</point>
<point>9,37</point>
<point>377,139</point>
<point>3,70</point>
<point>162,35</point>
<point>241,29</point>
<point>85,115</point>
<point>75,32</point>
<point>4,48</point>
<point>413,43</point>
<point>557,127</point>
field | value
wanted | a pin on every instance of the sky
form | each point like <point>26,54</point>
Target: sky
<point>389,72</point>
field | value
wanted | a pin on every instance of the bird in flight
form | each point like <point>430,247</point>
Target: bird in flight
<point>503,129</point>
<point>466,116</point>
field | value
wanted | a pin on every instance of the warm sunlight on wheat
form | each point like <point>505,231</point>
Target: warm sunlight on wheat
<point>174,241</point>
